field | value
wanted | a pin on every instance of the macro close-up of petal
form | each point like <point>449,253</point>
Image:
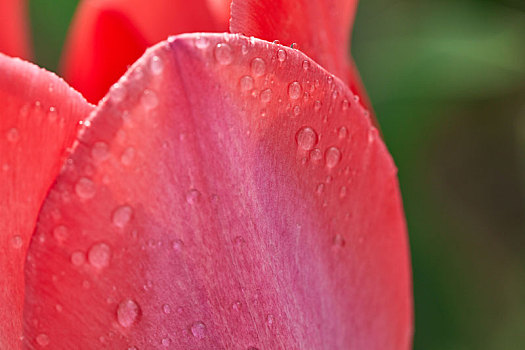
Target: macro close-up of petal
<point>107,36</point>
<point>39,119</point>
<point>228,193</point>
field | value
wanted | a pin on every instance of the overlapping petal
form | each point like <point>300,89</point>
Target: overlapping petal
<point>14,38</point>
<point>321,28</point>
<point>229,193</point>
<point>39,120</point>
<point>109,35</point>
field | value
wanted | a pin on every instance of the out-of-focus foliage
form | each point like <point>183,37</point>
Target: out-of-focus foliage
<point>447,81</point>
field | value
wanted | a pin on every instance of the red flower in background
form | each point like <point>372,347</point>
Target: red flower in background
<point>227,193</point>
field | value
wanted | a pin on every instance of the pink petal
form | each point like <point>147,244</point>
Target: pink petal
<point>109,35</point>
<point>39,118</point>
<point>320,28</point>
<point>14,38</point>
<point>214,218</point>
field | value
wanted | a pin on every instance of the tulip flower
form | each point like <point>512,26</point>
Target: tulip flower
<point>228,192</point>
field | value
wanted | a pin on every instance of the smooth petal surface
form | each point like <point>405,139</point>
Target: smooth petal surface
<point>224,197</point>
<point>14,38</point>
<point>321,28</point>
<point>109,35</point>
<point>39,119</point>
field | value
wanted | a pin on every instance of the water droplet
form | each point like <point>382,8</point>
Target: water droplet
<point>339,241</point>
<point>317,105</point>
<point>356,98</point>
<point>246,83</point>
<point>345,104</point>
<point>316,155</point>
<point>52,114</point>
<point>149,99</point>
<point>193,196</point>
<point>269,320</point>
<point>320,188</point>
<point>294,90</point>
<point>281,55</point>
<point>343,132</point>
<point>296,110</point>
<point>202,42</point>
<point>99,255</point>
<point>333,157</point>
<point>177,244</point>
<point>306,65</point>
<point>342,192</point>
<point>166,309</point>
<point>60,233</point>
<point>198,329</point>
<point>156,65</point>
<point>335,94</point>
<point>78,258</point>
<point>121,216</point>
<point>117,93</point>
<point>236,305</point>
<point>100,151</point>
<point>127,156</point>
<point>128,312</point>
<point>266,95</point>
<point>258,67</point>
<point>223,54</point>
<point>165,342</point>
<point>306,138</point>
<point>85,188</point>
<point>17,241</point>
<point>13,135</point>
<point>294,46</point>
<point>42,339</point>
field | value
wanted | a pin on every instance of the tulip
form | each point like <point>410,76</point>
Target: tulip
<point>228,192</point>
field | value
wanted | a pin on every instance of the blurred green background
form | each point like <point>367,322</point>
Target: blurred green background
<point>447,81</point>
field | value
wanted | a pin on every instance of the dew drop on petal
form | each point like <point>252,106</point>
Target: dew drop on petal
<point>246,83</point>
<point>78,258</point>
<point>258,67</point>
<point>202,43</point>
<point>127,156</point>
<point>193,196</point>
<point>198,330</point>
<point>223,54</point>
<point>294,90</point>
<point>306,138</point>
<point>85,188</point>
<point>333,157</point>
<point>281,55</point>
<point>343,132</point>
<point>266,95</point>
<point>306,65</point>
<point>117,93</point>
<point>17,242</point>
<point>339,241</point>
<point>13,135</point>
<point>156,65</point>
<point>100,151</point>
<point>60,233</point>
<point>316,155</point>
<point>42,339</point>
<point>99,255</point>
<point>149,99</point>
<point>317,105</point>
<point>128,312</point>
<point>121,216</point>
<point>166,309</point>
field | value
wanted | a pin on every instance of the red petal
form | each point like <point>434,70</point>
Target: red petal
<point>13,28</point>
<point>321,28</point>
<point>40,114</point>
<point>109,35</point>
<point>202,214</point>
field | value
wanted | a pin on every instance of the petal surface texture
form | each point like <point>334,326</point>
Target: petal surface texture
<point>14,38</point>
<point>320,28</point>
<point>109,35</point>
<point>39,118</point>
<point>223,198</point>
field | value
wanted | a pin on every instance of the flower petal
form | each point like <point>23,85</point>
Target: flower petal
<point>13,28</point>
<point>109,35</point>
<point>40,114</point>
<point>224,197</point>
<point>321,29</point>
